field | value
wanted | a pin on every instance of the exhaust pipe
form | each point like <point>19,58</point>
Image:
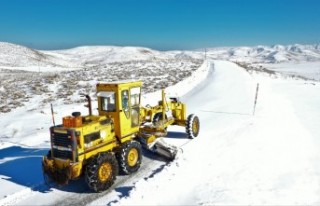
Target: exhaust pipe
<point>89,103</point>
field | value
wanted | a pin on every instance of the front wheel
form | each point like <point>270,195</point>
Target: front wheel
<point>101,172</point>
<point>192,126</point>
<point>129,157</point>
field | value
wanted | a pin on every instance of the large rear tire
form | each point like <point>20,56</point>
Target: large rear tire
<point>193,126</point>
<point>101,172</point>
<point>129,157</point>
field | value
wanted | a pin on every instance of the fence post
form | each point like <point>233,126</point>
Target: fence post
<point>255,100</point>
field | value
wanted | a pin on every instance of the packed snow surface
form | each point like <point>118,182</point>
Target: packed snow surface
<point>269,158</point>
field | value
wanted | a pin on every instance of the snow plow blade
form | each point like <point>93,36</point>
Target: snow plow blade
<point>160,147</point>
<point>52,174</point>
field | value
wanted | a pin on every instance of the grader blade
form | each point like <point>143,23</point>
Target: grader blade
<point>162,148</point>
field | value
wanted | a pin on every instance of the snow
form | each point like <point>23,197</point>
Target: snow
<point>271,158</point>
<point>310,70</point>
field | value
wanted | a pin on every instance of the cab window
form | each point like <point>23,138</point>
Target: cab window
<point>135,96</point>
<point>125,102</point>
<point>107,101</point>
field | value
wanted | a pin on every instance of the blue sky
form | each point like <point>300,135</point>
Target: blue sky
<point>159,24</point>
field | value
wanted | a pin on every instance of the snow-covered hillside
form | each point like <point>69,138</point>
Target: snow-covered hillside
<point>23,58</point>
<point>97,55</point>
<point>268,54</point>
<point>271,158</point>
<point>82,68</point>
<point>16,56</point>
<point>293,61</point>
<point>12,55</point>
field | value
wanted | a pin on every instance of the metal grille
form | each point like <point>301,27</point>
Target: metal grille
<point>62,140</point>
<point>62,154</point>
<point>62,145</point>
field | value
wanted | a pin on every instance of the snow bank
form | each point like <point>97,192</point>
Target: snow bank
<point>196,79</point>
<point>182,88</point>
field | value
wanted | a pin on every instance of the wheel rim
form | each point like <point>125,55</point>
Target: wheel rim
<point>133,157</point>
<point>105,172</point>
<point>195,127</point>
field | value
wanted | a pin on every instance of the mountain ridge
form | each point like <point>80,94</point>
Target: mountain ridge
<point>13,55</point>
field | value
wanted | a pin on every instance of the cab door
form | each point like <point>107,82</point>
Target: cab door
<point>135,96</point>
<point>129,110</point>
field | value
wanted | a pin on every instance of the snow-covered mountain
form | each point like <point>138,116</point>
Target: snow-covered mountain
<point>268,54</point>
<point>63,74</point>
<point>12,55</point>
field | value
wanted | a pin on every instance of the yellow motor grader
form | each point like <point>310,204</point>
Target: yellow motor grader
<point>100,146</point>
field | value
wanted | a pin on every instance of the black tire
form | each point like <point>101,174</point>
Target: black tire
<point>193,126</point>
<point>129,157</point>
<point>101,172</point>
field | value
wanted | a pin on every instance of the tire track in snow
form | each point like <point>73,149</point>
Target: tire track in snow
<point>148,168</point>
<point>22,194</point>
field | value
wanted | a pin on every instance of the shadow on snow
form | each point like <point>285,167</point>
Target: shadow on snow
<point>177,135</point>
<point>22,166</point>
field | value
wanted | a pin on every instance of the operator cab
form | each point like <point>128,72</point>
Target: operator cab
<point>121,102</point>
